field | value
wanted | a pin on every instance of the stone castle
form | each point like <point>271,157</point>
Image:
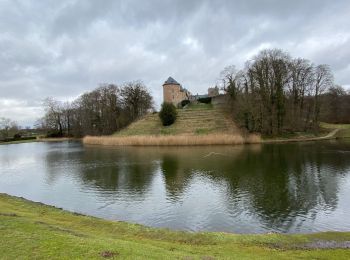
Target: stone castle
<point>174,93</point>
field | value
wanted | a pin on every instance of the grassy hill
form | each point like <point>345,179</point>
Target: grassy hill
<point>197,119</point>
<point>201,124</point>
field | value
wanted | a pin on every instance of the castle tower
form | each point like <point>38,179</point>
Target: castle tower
<point>173,92</point>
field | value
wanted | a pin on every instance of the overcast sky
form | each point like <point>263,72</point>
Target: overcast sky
<point>64,48</point>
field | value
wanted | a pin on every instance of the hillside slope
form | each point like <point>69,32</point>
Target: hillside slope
<point>195,120</point>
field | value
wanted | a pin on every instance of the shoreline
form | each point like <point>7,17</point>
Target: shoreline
<point>187,140</point>
<point>330,136</point>
<point>35,230</point>
<point>198,140</point>
<point>61,139</point>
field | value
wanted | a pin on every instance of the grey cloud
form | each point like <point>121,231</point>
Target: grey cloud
<point>64,48</point>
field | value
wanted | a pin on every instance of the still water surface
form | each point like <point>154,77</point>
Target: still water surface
<point>290,188</point>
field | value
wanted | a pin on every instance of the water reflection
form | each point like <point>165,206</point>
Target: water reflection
<point>258,188</point>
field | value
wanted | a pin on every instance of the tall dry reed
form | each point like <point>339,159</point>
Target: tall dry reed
<point>175,140</point>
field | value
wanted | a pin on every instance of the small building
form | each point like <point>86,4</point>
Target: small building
<point>196,97</point>
<point>212,92</point>
<point>173,92</point>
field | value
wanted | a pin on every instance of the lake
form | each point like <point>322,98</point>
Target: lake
<point>288,188</point>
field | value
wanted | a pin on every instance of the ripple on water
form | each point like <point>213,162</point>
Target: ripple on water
<point>280,188</point>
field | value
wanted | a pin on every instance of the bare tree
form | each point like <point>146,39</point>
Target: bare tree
<point>275,93</point>
<point>5,125</point>
<point>54,116</point>
<point>7,128</point>
<point>301,73</point>
<point>102,111</point>
<point>231,81</point>
<point>136,99</point>
<point>336,108</point>
<point>323,80</point>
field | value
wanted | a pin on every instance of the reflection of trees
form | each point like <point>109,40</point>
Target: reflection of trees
<point>180,164</point>
<point>60,158</point>
<point>287,181</point>
<point>278,183</point>
<point>175,178</point>
<point>283,181</point>
<point>116,169</point>
<point>105,170</point>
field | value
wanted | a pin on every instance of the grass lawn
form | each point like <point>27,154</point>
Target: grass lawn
<point>200,106</point>
<point>23,140</point>
<point>58,139</point>
<point>334,126</point>
<point>19,141</point>
<point>33,230</point>
<point>344,131</point>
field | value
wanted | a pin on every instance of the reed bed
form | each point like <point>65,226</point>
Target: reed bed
<point>171,140</point>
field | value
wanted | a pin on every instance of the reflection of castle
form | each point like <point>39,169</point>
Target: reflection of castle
<point>174,93</point>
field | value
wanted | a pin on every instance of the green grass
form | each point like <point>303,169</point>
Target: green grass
<point>344,131</point>
<point>334,126</point>
<point>31,230</point>
<point>19,141</point>
<point>297,135</point>
<point>325,128</point>
<point>196,119</point>
<point>23,140</point>
<point>200,106</point>
<point>42,139</point>
<point>202,131</point>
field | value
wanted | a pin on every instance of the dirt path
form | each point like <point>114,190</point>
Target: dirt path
<point>331,135</point>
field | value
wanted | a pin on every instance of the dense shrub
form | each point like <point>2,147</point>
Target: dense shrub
<point>17,136</point>
<point>18,139</point>
<point>185,102</point>
<point>54,134</point>
<point>168,114</point>
<point>206,100</point>
<point>28,138</point>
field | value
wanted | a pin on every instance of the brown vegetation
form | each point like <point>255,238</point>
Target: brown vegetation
<point>176,140</point>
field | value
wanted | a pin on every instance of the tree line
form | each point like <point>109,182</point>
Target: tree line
<point>336,108</point>
<point>276,93</point>
<point>8,128</point>
<point>102,111</point>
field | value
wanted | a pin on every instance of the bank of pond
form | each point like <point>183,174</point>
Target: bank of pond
<point>32,230</point>
<point>285,188</point>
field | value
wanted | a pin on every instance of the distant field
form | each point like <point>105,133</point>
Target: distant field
<point>344,131</point>
<point>19,140</point>
<point>199,119</point>
<point>335,126</point>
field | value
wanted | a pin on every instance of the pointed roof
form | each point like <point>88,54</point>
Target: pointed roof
<point>171,81</point>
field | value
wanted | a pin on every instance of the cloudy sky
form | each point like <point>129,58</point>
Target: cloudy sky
<point>64,48</point>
